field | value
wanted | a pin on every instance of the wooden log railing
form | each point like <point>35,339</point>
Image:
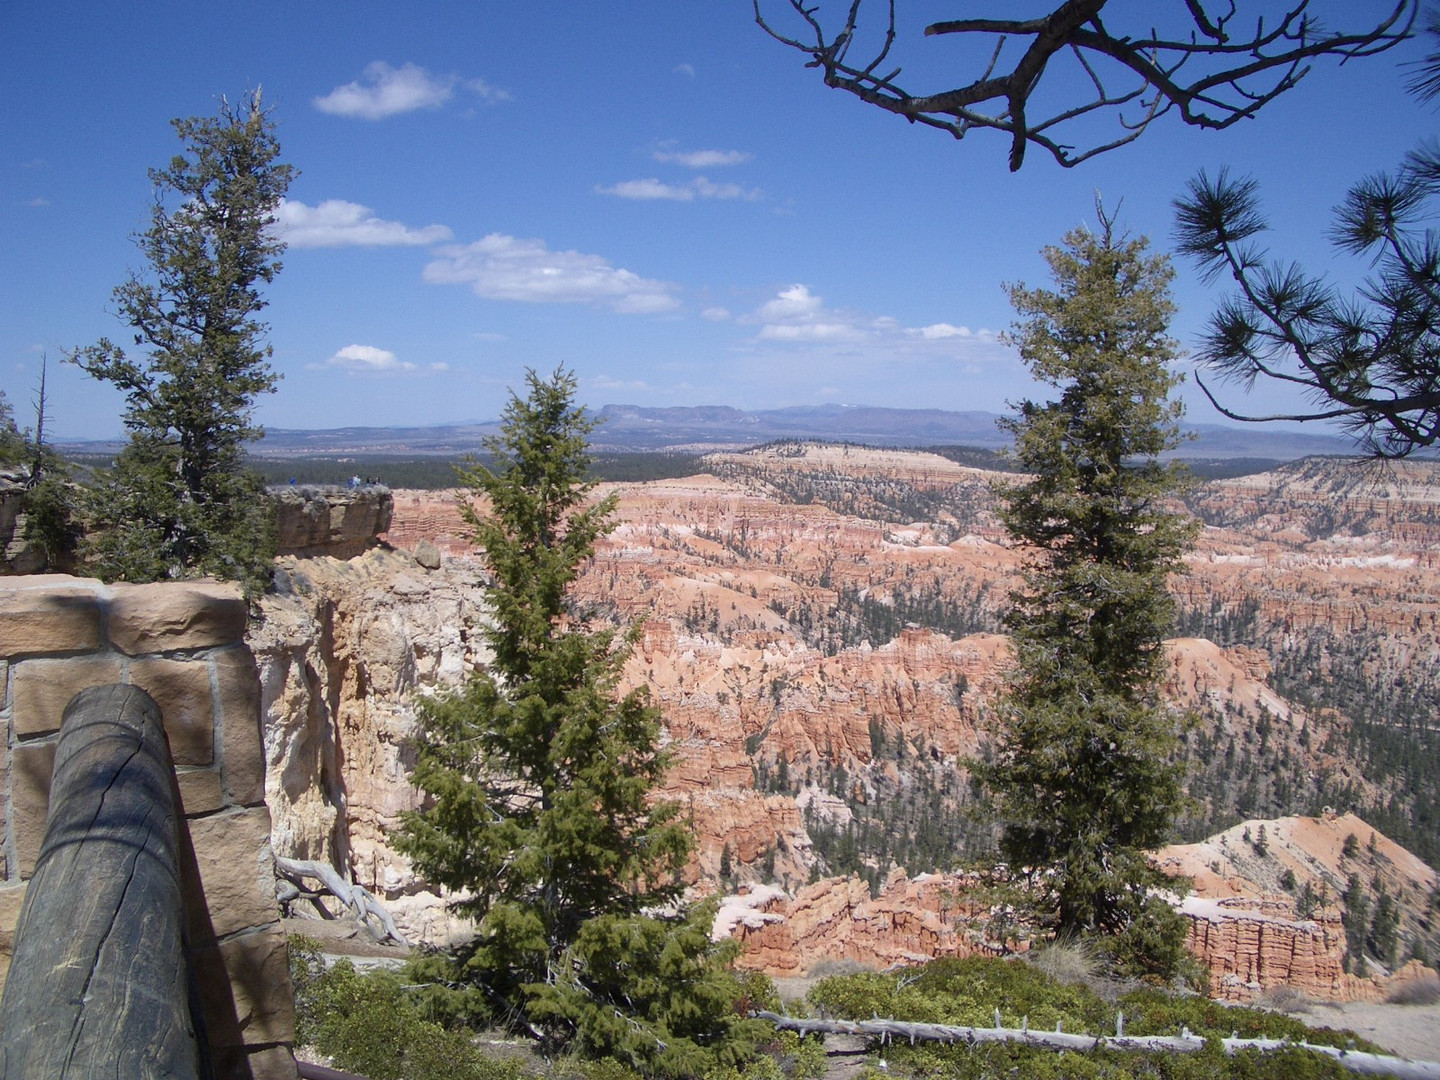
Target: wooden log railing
<point>98,983</point>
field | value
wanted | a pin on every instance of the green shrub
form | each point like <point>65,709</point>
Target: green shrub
<point>655,994</point>
<point>369,1024</point>
<point>964,992</point>
<point>1151,946</point>
<point>967,992</point>
<point>993,1061</point>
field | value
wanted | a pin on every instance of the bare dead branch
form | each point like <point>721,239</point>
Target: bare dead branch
<point>1242,76</point>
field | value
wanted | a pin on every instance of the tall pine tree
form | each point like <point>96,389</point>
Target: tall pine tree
<point>179,500</point>
<point>1082,765</point>
<point>541,777</point>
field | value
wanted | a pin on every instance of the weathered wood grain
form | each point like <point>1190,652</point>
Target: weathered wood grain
<point>98,985</point>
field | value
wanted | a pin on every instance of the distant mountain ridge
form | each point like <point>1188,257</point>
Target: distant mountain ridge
<point>724,427</point>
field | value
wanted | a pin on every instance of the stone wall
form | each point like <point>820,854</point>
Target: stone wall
<point>182,642</point>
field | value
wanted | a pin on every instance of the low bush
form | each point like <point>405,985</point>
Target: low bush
<point>964,992</point>
<point>968,992</point>
<point>1416,992</point>
<point>371,1025</point>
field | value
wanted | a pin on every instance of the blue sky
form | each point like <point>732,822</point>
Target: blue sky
<point>656,195</point>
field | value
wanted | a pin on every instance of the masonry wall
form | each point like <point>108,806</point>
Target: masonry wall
<point>183,643</point>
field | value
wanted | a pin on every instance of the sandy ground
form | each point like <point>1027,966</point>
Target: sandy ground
<point>1411,1031</point>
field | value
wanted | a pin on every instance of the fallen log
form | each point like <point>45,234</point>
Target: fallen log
<point>98,983</point>
<point>360,900</point>
<point>896,1030</point>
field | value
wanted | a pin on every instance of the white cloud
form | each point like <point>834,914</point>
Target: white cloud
<point>940,330</point>
<point>684,69</point>
<point>337,223</point>
<point>810,332</point>
<point>500,267</point>
<point>367,358</point>
<point>702,159</point>
<point>647,189</point>
<point>793,304</point>
<point>485,92</point>
<point>798,316</point>
<point>698,188</point>
<point>388,91</point>
<point>715,314</point>
<point>439,365</point>
<point>36,202</point>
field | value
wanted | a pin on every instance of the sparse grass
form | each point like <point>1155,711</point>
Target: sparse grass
<point>1416,992</point>
<point>1286,999</point>
<point>1068,959</point>
<point>826,968</point>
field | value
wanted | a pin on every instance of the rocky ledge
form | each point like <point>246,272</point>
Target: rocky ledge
<point>341,522</point>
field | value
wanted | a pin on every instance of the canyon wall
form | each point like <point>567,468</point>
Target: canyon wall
<point>183,643</point>
<point>344,648</point>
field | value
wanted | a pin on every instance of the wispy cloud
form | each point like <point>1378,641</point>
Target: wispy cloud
<point>701,159</point>
<point>687,70</point>
<point>337,223</point>
<point>698,188</point>
<point>384,91</point>
<point>500,267</point>
<point>368,359</point>
<point>36,202</point>
<point>798,316</point>
<point>940,331</point>
<point>608,382</point>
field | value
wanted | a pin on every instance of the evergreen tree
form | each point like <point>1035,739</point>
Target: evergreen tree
<point>179,500</point>
<point>1367,358</point>
<point>1082,765</point>
<point>541,777</point>
<point>12,443</point>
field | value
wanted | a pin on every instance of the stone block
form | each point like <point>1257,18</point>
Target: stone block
<point>182,690</point>
<point>200,791</point>
<point>4,790</point>
<point>169,615</point>
<point>249,1063</point>
<point>44,687</point>
<point>245,989</point>
<point>242,744</point>
<point>31,766</point>
<point>236,868</point>
<point>11,898</point>
<point>58,619</point>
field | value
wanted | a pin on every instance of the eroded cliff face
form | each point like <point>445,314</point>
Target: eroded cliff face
<point>836,921</point>
<point>1269,896</point>
<point>343,650</point>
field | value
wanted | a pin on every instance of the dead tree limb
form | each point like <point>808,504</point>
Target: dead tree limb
<point>98,984</point>
<point>360,900</point>
<point>1208,72</point>
<point>896,1030</point>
